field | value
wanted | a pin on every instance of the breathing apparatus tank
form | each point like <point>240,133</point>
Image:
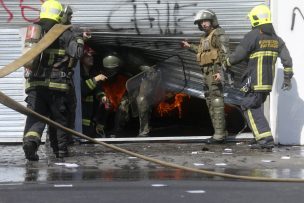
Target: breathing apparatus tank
<point>33,35</point>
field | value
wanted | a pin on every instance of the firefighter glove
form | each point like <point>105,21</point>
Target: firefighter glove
<point>286,84</point>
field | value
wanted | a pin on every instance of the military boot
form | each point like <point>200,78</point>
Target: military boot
<point>144,126</point>
<point>30,151</point>
<point>217,114</point>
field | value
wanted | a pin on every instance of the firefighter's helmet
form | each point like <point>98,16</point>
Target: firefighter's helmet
<point>206,14</point>
<point>88,51</point>
<point>51,9</point>
<point>111,62</point>
<point>259,15</point>
<point>67,13</point>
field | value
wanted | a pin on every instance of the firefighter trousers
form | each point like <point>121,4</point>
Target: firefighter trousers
<point>52,104</point>
<point>253,108</point>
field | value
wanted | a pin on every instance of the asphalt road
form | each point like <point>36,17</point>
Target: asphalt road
<point>94,173</point>
<point>147,191</point>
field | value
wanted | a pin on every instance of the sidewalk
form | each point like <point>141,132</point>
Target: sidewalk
<point>234,158</point>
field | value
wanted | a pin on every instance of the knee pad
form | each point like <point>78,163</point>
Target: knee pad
<point>217,102</point>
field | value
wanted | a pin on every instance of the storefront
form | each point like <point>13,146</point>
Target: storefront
<point>153,28</point>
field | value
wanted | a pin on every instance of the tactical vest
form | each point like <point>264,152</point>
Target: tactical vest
<point>207,54</point>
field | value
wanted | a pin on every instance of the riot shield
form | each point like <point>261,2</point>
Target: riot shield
<point>153,83</point>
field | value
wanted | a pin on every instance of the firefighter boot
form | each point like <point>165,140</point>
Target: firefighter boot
<point>62,150</point>
<point>30,150</point>
<point>265,143</point>
<point>62,154</point>
<point>217,115</point>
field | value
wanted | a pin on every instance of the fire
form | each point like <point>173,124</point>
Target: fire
<point>166,107</point>
<point>115,90</point>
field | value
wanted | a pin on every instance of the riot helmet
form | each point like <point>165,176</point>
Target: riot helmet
<point>51,9</point>
<point>259,15</point>
<point>206,14</point>
<point>111,64</point>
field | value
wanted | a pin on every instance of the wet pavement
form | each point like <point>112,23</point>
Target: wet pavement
<point>96,162</point>
<point>94,173</point>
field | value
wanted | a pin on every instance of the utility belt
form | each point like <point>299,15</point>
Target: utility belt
<point>210,69</point>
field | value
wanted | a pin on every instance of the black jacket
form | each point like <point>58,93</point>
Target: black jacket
<point>260,50</point>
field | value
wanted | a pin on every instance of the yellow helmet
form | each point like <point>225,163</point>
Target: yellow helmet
<point>51,9</point>
<point>259,15</point>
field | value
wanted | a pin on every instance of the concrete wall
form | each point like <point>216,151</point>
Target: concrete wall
<point>287,108</point>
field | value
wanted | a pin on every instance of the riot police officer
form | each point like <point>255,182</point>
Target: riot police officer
<point>212,49</point>
<point>48,83</point>
<point>260,47</point>
<point>116,97</point>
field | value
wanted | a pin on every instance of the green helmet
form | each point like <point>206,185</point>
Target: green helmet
<point>206,14</point>
<point>111,62</point>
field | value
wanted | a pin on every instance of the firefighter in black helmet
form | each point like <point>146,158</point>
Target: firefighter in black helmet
<point>260,48</point>
<point>213,48</point>
<point>48,83</point>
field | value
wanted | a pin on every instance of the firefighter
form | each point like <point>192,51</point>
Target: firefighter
<point>48,83</point>
<point>211,51</point>
<point>65,20</point>
<point>91,95</point>
<point>260,48</point>
<point>116,98</point>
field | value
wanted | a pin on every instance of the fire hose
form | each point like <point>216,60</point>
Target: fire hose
<point>50,37</point>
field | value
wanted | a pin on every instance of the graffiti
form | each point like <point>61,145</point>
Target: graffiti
<point>24,9</point>
<point>165,20</point>
<point>11,16</point>
<point>27,9</point>
<point>156,16</point>
<point>294,16</point>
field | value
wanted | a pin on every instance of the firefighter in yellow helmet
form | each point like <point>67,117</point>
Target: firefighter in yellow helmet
<point>260,49</point>
<point>49,83</point>
<point>213,48</point>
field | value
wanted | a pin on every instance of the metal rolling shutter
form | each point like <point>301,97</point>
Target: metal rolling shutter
<point>11,122</point>
<point>167,18</point>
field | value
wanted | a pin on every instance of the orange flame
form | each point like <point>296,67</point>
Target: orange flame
<point>166,107</point>
<point>115,90</point>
